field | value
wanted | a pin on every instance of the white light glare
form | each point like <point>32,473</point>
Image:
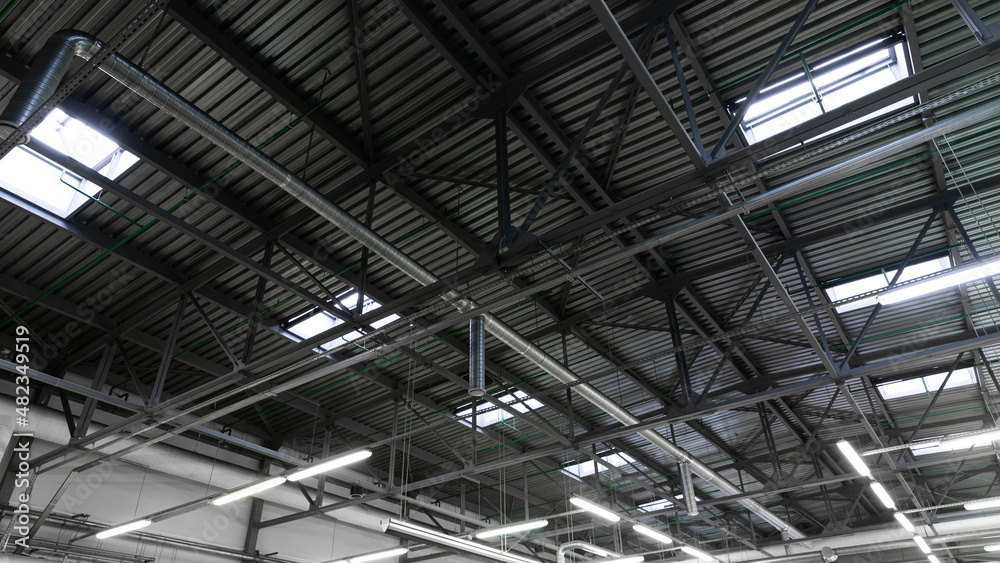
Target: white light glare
<point>933,559</point>
<point>922,544</point>
<point>248,491</point>
<point>117,530</point>
<point>982,504</point>
<point>883,495</point>
<point>512,529</point>
<point>852,456</point>
<point>329,465</point>
<point>380,555</point>
<point>992,547</point>
<point>596,509</point>
<point>966,442</point>
<point>904,521</point>
<point>964,275</point>
<point>696,553</point>
<point>651,533</point>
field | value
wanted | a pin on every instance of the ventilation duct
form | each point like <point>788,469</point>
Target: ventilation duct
<point>52,63</point>
<point>689,497</point>
<point>477,357</point>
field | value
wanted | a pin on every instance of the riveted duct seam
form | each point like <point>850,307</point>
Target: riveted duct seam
<point>74,43</point>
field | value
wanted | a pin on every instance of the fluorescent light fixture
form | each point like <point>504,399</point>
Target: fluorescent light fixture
<point>933,559</point>
<point>595,509</point>
<point>379,555</point>
<point>512,529</point>
<point>982,504</point>
<point>904,521</point>
<point>651,533</point>
<point>965,442</point>
<point>922,544</point>
<point>852,456</point>
<point>925,444</point>
<point>329,465</point>
<point>958,277</point>
<point>883,495</point>
<point>696,553</point>
<point>408,530</point>
<point>248,491</point>
<point>124,528</point>
<point>992,547</point>
<point>626,559</point>
<point>596,550</point>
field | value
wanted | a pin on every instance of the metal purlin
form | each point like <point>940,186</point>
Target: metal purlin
<point>64,45</point>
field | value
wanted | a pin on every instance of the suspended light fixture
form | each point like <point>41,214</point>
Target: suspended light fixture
<point>852,456</point>
<point>329,465</point>
<point>933,559</point>
<point>248,491</point>
<point>965,442</point>
<point>922,544</point>
<point>651,533</point>
<point>406,529</point>
<point>883,495</point>
<point>626,559</point>
<point>595,509</point>
<point>697,553</point>
<point>992,547</point>
<point>982,504</point>
<point>512,529</point>
<point>380,555</point>
<point>904,521</point>
<point>959,276</point>
<point>124,528</point>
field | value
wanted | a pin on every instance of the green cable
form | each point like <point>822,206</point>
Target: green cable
<point>62,178</point>
<point>961,141</point>
<point>7,10</point>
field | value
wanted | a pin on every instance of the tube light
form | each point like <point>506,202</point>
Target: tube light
<point>904,521</point>
<point>982,504</point>
<point>124,528</point>
<point>964,442</point>
<point>512,529</point>
<point>992,547</point>
<point>964,275</point>
<point>883,495</point>
<point>329,465</point>
<point>627,559</point>
<point>595,509</point>
<point>248,491</point>
<point>922,544</point>
<point>651,533</point>
<point>406,529</point>
<point>596,550</point>
<point>852,456</point>
<point>696,553</point>
<point>379,555</point>
<point>933,559</point>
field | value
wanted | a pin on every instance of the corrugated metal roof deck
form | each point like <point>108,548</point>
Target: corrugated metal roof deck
<point>413,88</point>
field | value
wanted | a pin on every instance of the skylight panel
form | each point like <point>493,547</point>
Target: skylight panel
<point>881,281</point>
<point>660,504</point>
<point>518,400</point>
<point>927,384</point>
<point>312,324</point>
<point>585,468</point>
<point>838,81</point>
<point>27,174</point>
